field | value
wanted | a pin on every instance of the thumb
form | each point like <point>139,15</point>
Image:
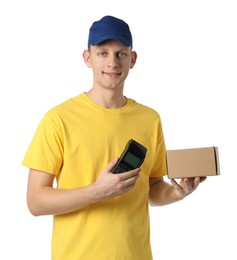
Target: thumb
<point>111,165</point>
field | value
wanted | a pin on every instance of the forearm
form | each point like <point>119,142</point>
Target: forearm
<point>51,201</point>
<point>43,199</point>
<point>162,193</point>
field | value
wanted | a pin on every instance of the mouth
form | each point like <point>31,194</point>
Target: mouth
<point>112,74</point>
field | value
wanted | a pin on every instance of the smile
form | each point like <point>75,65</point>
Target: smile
<point>112,74</point>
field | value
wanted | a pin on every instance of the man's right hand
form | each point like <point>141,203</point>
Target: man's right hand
<point>109,185</point>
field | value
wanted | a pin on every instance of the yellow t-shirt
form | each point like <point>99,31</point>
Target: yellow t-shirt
<point>75,141</point>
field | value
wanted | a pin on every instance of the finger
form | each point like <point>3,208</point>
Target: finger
<point>175,184</point>
<point>111,165</point>
<point>196,182</point>
<point>128,185</point>
<point>202,179</point>
<point>188,187</point>
<point>131,181</point>
<point>130,174</point>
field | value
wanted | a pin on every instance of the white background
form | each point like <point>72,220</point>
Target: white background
<point>186,70</point>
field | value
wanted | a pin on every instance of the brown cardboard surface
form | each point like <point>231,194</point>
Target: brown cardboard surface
<point>194,162</point>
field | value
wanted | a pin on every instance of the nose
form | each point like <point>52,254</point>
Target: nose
<point>113,61</point>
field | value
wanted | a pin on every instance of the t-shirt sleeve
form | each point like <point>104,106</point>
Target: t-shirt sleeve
<point>45,152</point>
<point>159,166</point>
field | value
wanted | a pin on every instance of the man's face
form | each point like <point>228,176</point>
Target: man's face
<point>110,62</point>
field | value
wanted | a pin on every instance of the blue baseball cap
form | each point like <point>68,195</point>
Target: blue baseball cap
<point>110,28</point>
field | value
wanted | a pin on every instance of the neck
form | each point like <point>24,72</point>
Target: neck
<point>107,98</point>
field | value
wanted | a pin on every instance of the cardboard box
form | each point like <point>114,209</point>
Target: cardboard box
<point>194,162</point>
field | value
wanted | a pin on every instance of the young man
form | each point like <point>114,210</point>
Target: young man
<point>99,215</point>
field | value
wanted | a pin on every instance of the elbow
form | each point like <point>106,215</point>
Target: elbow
<point>33,208</point>
<point>154,198</point>
<point>34,213</point>
<point>153,203</point>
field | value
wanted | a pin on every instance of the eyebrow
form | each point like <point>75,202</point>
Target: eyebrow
<point>103,48</point>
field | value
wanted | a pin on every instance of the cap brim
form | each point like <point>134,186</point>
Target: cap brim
<point>118,38</point>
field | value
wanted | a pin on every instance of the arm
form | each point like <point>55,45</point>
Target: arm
<point>162,193</point>
<point>43,199</point>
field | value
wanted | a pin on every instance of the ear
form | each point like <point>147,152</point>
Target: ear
<point>134,59</point>
<point>87,59</point>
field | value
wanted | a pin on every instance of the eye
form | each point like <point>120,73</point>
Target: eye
<point>102,54</point>
<point>122,54</point>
